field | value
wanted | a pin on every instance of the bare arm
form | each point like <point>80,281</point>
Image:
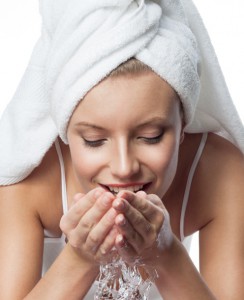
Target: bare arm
<point>179,278</point>
<point>25,209</point>
<point>21,238</point>
<point>219,205</point>
<point>222,239</point>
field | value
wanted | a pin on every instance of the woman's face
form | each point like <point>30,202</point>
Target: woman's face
<point>125,134</point>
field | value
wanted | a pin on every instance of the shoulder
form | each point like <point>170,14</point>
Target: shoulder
<point>221,159</point>
<point>34,194</point>
<point>39,179</point>
<point>223,171</point>
<point>26,209</point>
<point>219,149</point>
<point>219,212</point>
<point>222,167</point>
<point>217,186</point>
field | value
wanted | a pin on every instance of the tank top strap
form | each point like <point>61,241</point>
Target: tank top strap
<point>189,183</point>
<point>63,181</point>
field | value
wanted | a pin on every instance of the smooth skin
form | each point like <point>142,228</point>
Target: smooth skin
<point>124,139</point>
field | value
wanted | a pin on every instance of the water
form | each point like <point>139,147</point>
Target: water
<point>118,280</point>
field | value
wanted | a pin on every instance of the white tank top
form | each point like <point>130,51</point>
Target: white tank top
<point>53,246</point>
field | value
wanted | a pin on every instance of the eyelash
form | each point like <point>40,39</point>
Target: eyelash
<point>153,140</point>
<point>93,144</point>
<point>99,143</point>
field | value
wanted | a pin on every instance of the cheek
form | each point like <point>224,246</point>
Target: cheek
<point>86,162</point>
<point>165,164</point>
<point>167,154</point>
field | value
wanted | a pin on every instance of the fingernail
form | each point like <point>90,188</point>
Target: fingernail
<point>119,204</point>
<point>121,220</point>
<point>122,194</point>
<point>120,240</point>
<point>141,194</point>
<point>104,251</point>
<point>126,195</point>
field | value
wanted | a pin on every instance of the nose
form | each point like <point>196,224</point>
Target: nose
<point>124,163</point>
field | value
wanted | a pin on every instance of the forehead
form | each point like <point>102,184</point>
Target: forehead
<point>137,95</point>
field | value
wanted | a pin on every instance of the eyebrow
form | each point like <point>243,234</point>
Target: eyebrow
<point>150,121</point>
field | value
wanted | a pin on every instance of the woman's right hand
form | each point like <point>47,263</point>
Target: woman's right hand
<point>89,225</point>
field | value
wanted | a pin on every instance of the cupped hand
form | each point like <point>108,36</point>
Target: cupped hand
<point>89,225</point>
<point>144,227</point>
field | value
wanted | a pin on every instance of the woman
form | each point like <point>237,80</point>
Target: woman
<point>138,170</point>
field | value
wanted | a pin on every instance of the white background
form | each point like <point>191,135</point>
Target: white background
<point>20,28</point>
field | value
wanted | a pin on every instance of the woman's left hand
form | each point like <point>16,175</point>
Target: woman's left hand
<point>144,227</point>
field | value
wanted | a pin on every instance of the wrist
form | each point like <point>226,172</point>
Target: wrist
<point>79,261</point>
<point>171,257</point>
<point>178,278</point>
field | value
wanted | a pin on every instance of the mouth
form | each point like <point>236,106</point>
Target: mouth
<point>116,188</point>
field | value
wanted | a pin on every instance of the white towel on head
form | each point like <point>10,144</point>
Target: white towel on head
<point>81,42</point>
<point>215,110</point>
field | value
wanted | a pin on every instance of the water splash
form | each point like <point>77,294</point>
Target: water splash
<point>118,280</point>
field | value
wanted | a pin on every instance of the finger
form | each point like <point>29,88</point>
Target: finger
<point>97,211</point>
<point>77,197</point>
<point>140,202</point>
<point>147,229</point>
<point>141,213</point>
<point>125,250</point>
<point>79,235</point>
<point>107,245</point>
<point>136,229</point>
<point>155,200</point>
<point>99,232</point>
<point>82,204</point>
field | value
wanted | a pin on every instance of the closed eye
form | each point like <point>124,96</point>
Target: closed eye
<point>94,143</point>
<point>100,142</point>
<point>153,140</point>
